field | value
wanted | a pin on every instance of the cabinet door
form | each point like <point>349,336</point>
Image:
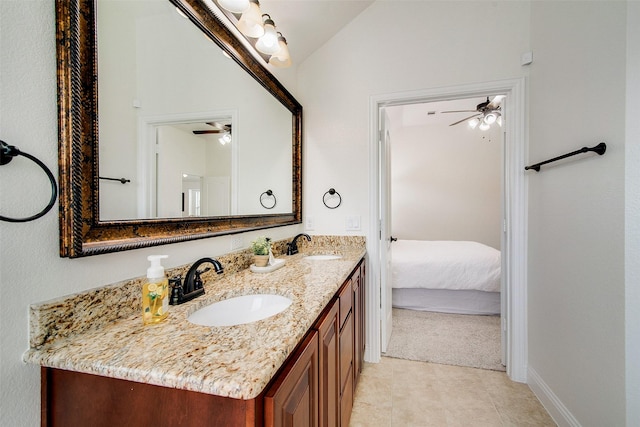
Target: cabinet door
<point>346,370</point>
<point>293,399</point>
<point>329,358</point>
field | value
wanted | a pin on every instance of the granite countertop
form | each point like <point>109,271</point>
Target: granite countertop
<point>234,361</point>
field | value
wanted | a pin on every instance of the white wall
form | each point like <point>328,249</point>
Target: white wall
<point>632,220</point>
<point>390,49</point>
<point>446,183</point>
<point>30,268</point>
<point>576,212</point>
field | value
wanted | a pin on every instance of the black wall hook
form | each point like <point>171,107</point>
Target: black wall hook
<point>7,153</point>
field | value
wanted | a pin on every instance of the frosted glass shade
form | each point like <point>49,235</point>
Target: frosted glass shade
<point>490,118</point>
<point>268,43</point>
<point>250,23</point>
<point>281,59</point>
<point>234,6</point>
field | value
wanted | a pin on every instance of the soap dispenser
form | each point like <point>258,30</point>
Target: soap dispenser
<point>155,292</point>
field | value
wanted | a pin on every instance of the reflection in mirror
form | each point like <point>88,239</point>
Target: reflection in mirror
<point>144,92</point>
<point>164,90</point>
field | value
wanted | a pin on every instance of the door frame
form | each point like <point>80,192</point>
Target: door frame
<point>515,199</point>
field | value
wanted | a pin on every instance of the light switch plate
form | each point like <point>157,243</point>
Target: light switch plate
<point>309,223</point>
<point>352,223</point>
<point>236,242</point>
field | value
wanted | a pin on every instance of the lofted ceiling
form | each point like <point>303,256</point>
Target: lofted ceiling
<point>309,24</point>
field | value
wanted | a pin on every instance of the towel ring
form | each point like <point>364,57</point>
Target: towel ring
<point>268,193</point>
<point>7,153</point>
<point>331,192</point>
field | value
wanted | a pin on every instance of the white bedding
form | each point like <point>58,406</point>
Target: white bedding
<point>454,265</point>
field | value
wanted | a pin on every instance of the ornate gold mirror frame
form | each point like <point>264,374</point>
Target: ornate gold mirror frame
<point>81,231</point>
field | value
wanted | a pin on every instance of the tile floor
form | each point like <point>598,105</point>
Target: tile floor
<point>398,392</point>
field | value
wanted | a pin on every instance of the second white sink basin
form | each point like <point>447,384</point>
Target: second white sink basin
<point>322,257</point>
<point>240,310</point>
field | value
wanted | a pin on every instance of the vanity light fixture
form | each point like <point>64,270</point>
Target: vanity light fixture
<point>250,23</point>
<point>234,6</point>
<point>281,59</point>
<point>259,29</point>
<point>268,43</point>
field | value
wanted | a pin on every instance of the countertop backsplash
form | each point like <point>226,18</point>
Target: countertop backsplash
<point>96,307</point>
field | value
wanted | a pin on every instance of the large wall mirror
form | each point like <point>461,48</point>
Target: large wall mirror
<point>170,129</point>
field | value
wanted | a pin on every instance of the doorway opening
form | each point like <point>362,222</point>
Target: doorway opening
<point>445,198</point>
<point>513,241</point>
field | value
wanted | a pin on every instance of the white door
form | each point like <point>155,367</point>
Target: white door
<point>217,192</point>
<point>384,145</point>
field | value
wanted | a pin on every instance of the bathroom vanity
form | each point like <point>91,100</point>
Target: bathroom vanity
<point>299,367</point>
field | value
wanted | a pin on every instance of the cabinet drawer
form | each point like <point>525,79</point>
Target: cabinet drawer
<point>346,302</point>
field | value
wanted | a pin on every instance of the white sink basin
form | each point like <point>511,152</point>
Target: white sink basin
<point>322,257</point>
<point>240,310</point>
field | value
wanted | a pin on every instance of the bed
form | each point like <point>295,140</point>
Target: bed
<point>446,276</point>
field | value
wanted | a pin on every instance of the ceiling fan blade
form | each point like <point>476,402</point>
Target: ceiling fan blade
<point>460,121</point>
<point>205,132</point>
<point>460,111</point>
<point>495,102</point>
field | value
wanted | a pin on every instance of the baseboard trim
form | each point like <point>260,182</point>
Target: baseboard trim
<point>554,406</point>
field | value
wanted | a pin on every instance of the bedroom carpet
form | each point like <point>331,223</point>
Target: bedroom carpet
<point>450,339</point>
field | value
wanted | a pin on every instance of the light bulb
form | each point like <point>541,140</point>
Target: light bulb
<point>281,58</point>
<point>234,6</point>
<point>473,123</point>
<point>268,43</point>
<point>250,23</point>
<point>225,138</point>
<point>484,126</point>
<point>490,118</point>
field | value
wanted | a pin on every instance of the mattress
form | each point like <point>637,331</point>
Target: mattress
<point>453,265</point>
<point>447,301</point>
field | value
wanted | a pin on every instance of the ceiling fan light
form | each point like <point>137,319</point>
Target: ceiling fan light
<point>268,43</point>
<point>250,23</point>
<point>225,138</point>
<point>499,120</point>
<point>490,118</point>
<point>234,6</point>
<point>484,126</point>
<point>281,58</point>
<point>473,123</point>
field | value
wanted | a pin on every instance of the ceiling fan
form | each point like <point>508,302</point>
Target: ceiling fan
<point>224,130</point>
<point>486,113</point>
<point>218,128</point>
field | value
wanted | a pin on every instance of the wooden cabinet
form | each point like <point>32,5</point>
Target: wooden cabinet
<point>315,386</point>
<point>329,364</point>
<point>293,399</point>
<point>76,399</point>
